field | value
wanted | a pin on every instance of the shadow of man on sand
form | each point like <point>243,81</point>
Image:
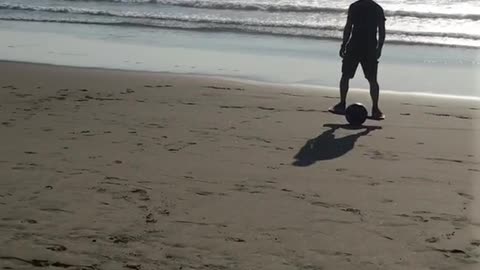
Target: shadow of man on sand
<point>326,146</point>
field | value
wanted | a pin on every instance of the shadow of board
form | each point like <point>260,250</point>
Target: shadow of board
<point>326,146</point>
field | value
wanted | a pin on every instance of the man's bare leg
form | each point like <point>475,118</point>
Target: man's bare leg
<point>374,94</point>
<point>344,85</point>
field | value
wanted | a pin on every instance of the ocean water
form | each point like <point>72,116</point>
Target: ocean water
<point>432,22</point>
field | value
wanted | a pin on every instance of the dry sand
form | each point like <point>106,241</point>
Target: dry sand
<point>127,170</point>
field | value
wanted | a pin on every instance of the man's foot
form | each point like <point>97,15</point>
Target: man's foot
<point>338,109</point>
<point>377,114</point>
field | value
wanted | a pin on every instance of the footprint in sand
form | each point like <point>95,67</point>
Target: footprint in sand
<point>11,87</point>
<point>417,218</point>
<point>163,212</point>
<point>143,194</point>
<point>101,190</point>
<point>47,263</point>
<point>450,115</point>
<point>57,248</point>
<point>235,239</point>
<point>300,109</point>
<point>465,195</point>
<point>175,147</point>
<point>55,210</point>
<point>22,95</point>
<point>266,108</point>
<point>450,235</point>
<point>204,193</point>
<point>245,188</point>
<point>445,160</point>
<point>432,240</point>
<point>150,218</point>
<point>377,155</point>
<point>29,221</point>
<point>231,107</point>
<point>133,266</point>
<point>475,243</point>
<point>218,87</point>
<point>188,103</point>
<point>292,95</point>
<point>352,210</point>
<point>452,252</point>
<point>121,239</point>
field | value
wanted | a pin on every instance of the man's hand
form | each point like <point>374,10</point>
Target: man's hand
<point>379,53</point>
<point>342,51</point>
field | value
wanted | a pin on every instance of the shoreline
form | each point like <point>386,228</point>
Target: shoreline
<point>284,61</point>
<point>255,82</point>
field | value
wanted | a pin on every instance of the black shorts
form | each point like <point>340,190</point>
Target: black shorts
<point>368,61</point>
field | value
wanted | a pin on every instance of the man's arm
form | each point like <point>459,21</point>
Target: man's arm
<point>381,34</point>
<point>347,31</point>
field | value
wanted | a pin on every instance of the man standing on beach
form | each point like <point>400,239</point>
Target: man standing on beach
<point>360,46</point>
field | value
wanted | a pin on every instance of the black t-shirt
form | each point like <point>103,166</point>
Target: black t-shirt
<point>366,16</point>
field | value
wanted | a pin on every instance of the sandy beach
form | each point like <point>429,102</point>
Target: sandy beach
<point>104,169</point>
